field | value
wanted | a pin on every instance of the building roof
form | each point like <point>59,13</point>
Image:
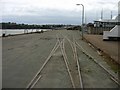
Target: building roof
<point>108,20</point>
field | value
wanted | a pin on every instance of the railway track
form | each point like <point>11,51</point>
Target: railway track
<point>75,43</point>
<point>78,65</point>
<point>66,62</point>
<point>68,66</point>
<point>38,76</point>
<point>112,77</point>
<point>77,61</point>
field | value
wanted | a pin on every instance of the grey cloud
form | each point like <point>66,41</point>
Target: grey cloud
<point>55,16</point>
<point>36,15</point>
<point>41,20</point>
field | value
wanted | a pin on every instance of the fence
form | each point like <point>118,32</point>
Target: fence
<point>97,30</point>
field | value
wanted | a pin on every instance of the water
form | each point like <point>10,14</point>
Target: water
<point>19,31</point>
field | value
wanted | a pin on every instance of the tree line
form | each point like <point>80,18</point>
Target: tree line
<point>12,25</point>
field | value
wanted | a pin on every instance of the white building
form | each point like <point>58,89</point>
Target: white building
<point>112,34</point>
<point>106,23</point>
<point>115,32</point>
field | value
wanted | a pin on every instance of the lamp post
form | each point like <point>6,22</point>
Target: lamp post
<point>82,17</point>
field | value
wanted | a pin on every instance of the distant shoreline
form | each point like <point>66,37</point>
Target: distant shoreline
<point>12,32</point>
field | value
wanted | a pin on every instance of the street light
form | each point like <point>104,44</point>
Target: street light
<point>82,17</point>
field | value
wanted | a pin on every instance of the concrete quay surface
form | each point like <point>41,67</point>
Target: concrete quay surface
<point>24,55</point>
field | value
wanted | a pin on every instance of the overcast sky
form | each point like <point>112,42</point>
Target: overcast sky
<point>55,11</point>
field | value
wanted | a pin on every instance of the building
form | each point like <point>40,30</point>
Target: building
<point>106,23</point>
<point>101,25</point>
<point>114,33</point>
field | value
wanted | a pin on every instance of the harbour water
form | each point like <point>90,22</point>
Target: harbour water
<point>18,31</point>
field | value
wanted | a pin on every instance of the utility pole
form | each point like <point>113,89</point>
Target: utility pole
<point>82,17</point>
